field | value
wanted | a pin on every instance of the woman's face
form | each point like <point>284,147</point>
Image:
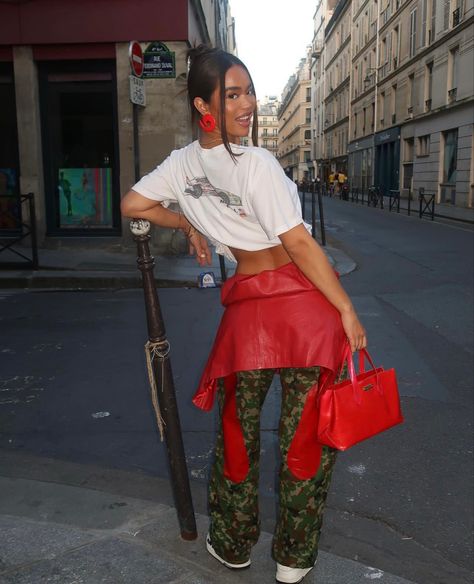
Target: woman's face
<point>240,102</point>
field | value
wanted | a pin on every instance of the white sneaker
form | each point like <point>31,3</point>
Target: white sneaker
<point>287,575</point>
<point>214,554</point>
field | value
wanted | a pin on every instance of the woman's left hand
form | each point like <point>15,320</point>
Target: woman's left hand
<point>198,245</point>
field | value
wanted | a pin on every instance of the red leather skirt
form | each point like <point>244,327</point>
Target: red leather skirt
<point>273,319</point>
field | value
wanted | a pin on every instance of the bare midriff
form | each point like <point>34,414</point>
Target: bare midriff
<point>254,262</point>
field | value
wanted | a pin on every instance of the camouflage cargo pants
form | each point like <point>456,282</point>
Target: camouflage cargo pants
<point>233,506</point>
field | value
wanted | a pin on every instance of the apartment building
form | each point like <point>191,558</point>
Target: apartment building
<point>337,41</point>
<point>411,119</point>
<point>294,124</point>
<point>268,123</point>
<point>322,15</point>
<point>363,123</point>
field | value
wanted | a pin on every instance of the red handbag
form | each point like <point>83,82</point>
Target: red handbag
<point>356,409</point>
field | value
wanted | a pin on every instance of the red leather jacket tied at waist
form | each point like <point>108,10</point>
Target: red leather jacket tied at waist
<point>272,320</point>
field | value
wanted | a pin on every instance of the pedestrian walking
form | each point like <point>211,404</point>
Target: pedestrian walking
<point>285,312</point>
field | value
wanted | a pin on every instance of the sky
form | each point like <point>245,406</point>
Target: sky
<point>272,36</point>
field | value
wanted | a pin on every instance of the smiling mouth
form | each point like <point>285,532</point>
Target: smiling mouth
<point>244,119</point>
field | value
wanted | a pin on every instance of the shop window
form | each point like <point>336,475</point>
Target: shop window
<point>10,210</point>
<point>79,145</point>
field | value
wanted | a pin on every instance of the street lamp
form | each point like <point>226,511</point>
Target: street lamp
<point>371,73</point>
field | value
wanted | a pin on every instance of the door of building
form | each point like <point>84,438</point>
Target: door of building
<point>79,130</point>
<point>10,208</point>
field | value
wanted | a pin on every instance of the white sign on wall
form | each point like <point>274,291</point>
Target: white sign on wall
<point>137,91</point>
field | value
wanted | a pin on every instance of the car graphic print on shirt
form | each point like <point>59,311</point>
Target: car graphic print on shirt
<point>200,186</point>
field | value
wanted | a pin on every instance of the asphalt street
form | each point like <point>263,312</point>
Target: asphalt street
<point>73,394</point>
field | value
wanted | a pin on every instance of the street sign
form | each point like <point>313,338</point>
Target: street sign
<point>159,61</point>
<point>135,54</point>
<point>137,91</point>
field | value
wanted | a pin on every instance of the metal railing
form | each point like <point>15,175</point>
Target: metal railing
<point>17,224</point>
<point>374,197</point>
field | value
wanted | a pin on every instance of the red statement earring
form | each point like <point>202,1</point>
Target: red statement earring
<point>207,122</point>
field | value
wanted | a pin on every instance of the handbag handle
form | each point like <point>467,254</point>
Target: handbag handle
<point>352,373</point>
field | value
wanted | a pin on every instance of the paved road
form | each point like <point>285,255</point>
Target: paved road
<point>73,388</point>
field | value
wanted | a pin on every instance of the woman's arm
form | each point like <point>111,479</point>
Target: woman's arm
<point>136,206</point>
<point>312,261</point>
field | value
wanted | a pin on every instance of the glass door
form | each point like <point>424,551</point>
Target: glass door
<point>80,146</point>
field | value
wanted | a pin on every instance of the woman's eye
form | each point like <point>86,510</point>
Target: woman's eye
<point>232,96</point>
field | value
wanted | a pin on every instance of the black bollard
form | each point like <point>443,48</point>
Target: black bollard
<point>313,213</point>
<point>321,218</point>
<point>161,367</point>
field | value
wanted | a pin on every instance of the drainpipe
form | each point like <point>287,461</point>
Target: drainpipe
<point>201,18</point>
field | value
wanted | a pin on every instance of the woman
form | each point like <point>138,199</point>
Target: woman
<point>285,312</point>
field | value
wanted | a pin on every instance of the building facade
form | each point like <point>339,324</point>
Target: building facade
<point>70,133</point>
<point>268,124</point>
<point>337,40</point>
<point>410,112</point>
<point>294,124</point>
<point>323,13</point>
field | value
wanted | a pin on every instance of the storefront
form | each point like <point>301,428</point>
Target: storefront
<point>361,155</point>
<point>69,132</point>
<point>387,159</point>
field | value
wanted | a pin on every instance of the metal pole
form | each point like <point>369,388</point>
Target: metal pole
<point>136,143</point>
<point>409,200</point>
<point>321,218</point>
<point>222,266</point>
<point>313,212</point>
<point>34,240</point>
<point>165,385</point>
<point>303,204</point>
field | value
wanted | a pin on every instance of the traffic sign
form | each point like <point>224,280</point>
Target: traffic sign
<point>137,91</point>
<point>135,54</point>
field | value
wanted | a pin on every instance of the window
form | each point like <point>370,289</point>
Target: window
<point>446,13</point>
<point>394,104</point>
<point>382,107</point>
<point>453,64</point>
<point>308,94</point>
<point>307,134</point>
<point>450,156</point>
<point>413,32</point>
<point>307,155</point>
<point>433,20</point>
<point>423,145</point>
<point>364,120</point>
<point>424,19</point>
<point>355,125</point>
<point>408,150</point>
<point>428,85</point>
<point>411,93</point>
<point>308,116</point>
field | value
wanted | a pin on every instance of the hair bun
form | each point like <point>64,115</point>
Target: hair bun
<point>199,51</point>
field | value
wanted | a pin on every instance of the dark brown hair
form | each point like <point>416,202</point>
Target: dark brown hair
<point>207,70</point>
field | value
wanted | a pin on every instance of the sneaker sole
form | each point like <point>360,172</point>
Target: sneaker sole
<point>214,554</point>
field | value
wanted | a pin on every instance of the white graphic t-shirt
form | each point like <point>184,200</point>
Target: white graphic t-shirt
<point>244,204</point>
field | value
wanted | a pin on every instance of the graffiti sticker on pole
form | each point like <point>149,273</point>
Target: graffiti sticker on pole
<point>159,61</point>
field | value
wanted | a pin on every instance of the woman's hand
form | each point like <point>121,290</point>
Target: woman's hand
<point>198,245</point>
<point>197,242</point>
<point>354,330</point>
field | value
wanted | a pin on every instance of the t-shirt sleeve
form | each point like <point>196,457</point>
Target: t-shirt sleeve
<point>157,184</point>
<point>274,199</point>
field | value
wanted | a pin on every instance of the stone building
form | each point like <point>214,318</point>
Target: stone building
<point>66,119</point>
<point>268,124</point>
<point>337,73</point>
<point>323,13</point>
<point>411,118</point>
<point>294,124</point>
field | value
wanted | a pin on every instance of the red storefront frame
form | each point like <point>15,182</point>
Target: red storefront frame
<point>50,22</point>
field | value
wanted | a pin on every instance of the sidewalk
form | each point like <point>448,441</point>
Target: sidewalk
<point>85,269</point>
<point>50,532</point>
